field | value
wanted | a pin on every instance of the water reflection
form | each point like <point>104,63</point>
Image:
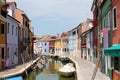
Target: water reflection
<point>50,72</point>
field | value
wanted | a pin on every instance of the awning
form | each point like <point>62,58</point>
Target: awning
<point>15,78</point>
<point>113,51</point>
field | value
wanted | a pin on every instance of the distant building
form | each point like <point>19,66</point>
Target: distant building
<point>58,46</point>
<point>64,40</point>
<point>42,45</point>
<point>73,41</point>
<point>52,45</point>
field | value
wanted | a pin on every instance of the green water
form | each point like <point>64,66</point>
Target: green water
<point>49,72</point>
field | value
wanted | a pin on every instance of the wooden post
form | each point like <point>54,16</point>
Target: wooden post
<point>24,65</point>
<point>96,68</point>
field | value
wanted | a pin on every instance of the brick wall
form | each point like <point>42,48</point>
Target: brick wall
<point>116,32</point>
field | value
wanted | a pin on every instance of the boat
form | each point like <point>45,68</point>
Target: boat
<point>40,65</point>
<point>55,57</point>
<point>15,78</point>
<point>64,59</point>
<point>67,70</point>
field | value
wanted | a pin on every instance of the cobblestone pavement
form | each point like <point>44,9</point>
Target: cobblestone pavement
<point>85,70</point>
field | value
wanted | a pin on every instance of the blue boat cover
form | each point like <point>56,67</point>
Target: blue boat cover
<point>15,78</point>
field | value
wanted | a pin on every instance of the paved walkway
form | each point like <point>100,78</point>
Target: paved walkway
<point>85,70</point>
<point>19,69</point>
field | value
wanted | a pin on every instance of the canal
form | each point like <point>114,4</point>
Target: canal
<point>49,72</point>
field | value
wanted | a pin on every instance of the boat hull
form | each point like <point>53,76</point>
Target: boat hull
<point>67,74</point>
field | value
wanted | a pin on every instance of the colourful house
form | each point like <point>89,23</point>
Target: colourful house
<point>52,45</point>
<point>12,36</point>
<point>114,51</point>
<point>106,33</point>
<point>24,41</point>
<point>73,41</point>
<point>64,40</point>
<point>82,37</point>
<point>3,35</point>
<point>58,46</point>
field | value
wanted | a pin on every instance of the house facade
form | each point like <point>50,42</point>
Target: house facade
<point>52,45</point>
<point>3,35</point>
<point>64,40</point>
<point>44,45</point>
<point>58,46</point>
<point>89,40</point>
<point>12,41</point>
<point>115,11</point>
<point>82,34</point>
<point>24,40</point>
<point>12,36</point>
<point>73,41</point>
<point>105,32</point>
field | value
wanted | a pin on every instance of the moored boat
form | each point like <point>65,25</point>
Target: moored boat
<point>67,70</point>
<point>15,78</point>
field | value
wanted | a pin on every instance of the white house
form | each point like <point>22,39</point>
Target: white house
<point>73,41</point>
<point>42,45</point>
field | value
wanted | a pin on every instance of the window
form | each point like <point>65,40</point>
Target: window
<point>16,31</point>
<point>2,28</point>
<point>74,33</point>
<point>114,18</point>
<point>109,19</point>
<point>45,50</point>
<point>45,44</point>
<point>8,27</point>
<point>13,13</point>
<point>7,52</point>
<point>2,50</point>
<point>16,52</point>
<point>117,63</point>
<point>104,23</point>
<point>12,29</point>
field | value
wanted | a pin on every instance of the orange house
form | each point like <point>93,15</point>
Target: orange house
<point>3,40</point>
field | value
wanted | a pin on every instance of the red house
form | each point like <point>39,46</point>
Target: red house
<point>52,45</point>
<point>116,36</point>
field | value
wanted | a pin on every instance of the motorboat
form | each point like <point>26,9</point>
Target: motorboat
<point>67,70</point>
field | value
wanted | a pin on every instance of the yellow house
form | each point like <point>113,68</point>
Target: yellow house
<point>58,46</point>
<point>61,44</point>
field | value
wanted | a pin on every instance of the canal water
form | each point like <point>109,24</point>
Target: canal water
<point>49,72</point>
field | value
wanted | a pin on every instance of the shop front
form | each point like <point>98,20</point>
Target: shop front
<point>114,68</point>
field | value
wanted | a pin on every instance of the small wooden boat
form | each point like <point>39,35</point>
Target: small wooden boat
<point>40,66</point>
<point>67,70</point>
<point>15,78</point>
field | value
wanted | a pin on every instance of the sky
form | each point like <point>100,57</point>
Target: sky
<point>52,17</point>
